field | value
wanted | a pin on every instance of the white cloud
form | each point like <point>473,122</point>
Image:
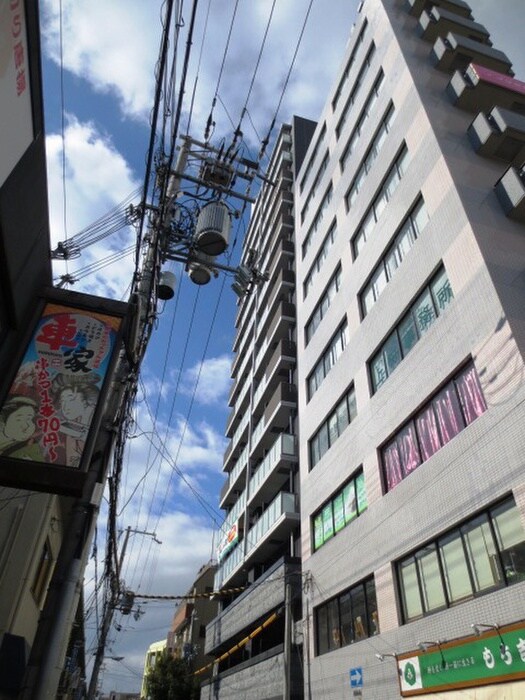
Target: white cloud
<point>97,177</point>
<point>113,45</point>
<point>210,379</point>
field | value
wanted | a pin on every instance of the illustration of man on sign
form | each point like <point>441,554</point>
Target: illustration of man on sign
<point>18,427</point>
<point>75,399</point>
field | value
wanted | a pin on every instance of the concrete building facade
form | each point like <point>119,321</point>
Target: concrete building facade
<point>410,259</point>
<point>259,542</point>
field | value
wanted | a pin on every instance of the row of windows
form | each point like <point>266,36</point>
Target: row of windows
<point>385,269</point>
<point>421,315</point>
<point>319,259</point>
<point>371,156</point>
<point>343,414</point>
<point>311,161</point>
<point>345,506</point>
<point>323,305</point>
<point>349,65</point>
<point>317,219</point>
<point>348,618</point>
<point>485,553</point>
<point>453,408</point>
<point>328,359</point>
<point>313,190</point>
<point>365,113</point>
<point>376,208</point>
<point>357,85</point>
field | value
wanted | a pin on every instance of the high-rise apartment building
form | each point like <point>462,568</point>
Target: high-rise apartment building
<point>259,543</point>
<point>410,297</point>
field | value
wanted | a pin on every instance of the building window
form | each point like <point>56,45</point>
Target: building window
<point>355,90</point>
<point>451,410</point>
<point>370,158</point>
<point>313,190</point>
<point>409,232</point>
<point>343,414</point>
<point>385,194</point>
<point>348,66</point>
<point>430,304</point>
<point>486,552</point>
<point>317,220</point>
<point>319,259</point>
<point>359,129</point>
<point>328,359</point>
<point>311,161</point>
<point>341,510</point>
<point>323,305</point>
<point>42,573</point>
<point>349,617</point>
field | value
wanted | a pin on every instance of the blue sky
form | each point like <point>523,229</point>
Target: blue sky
<point>109,50</point>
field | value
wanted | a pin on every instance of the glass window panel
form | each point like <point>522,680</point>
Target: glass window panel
<point>327,362</point>
<point>345,618</point>
<point>362,502</point>
<point>392,465</point>
<point>334,639</point>
<point>470,394</point>
<point>405,240</point>
<point>392,352</point>
<point>350,502</point>
<point>342,416</point>
<point>380,138</point>
<point>410,594</point>
<point>322,630</point>
<point>441,291</point>
<point>339,512</point>
<point>318,531</point>
<point>392,262</point>
<point>359,242</point>
<point>378,371</point>
<point>359,617</point>
<point>402,161</point>
<point>428,433</point>
<point>511,540</point>
<point>368,299</point>
<point>455,569</point>
<point>448,413</point>
<point>419,217</point>
<point>328,522</point>
<point>315,454</point>
<point>482,555</point>
<point>323,440</point>
<point>371,604</point>
<point>333,429</point>
<point>391,183</point>
<point>408,448</point>
<point>352,405</point>
<point>379,281</point>
<point>380,203</point>
<point>368,224</point>
<point>430,578</point>
<point>408,334</point>
<point>424,312</point>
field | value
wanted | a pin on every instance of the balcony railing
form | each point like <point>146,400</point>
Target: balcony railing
<point>285,444</point>
<point>230,564</point>
<point>455,52</point>
<point>283,503</point>
<point>499,134</point>
<point>479,89</point>
<point>437,22</point>
<point>510,190</point>
<point>459,7</point>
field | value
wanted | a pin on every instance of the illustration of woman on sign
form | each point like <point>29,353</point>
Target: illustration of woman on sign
<point>17,429</point>
<point>75,398</point>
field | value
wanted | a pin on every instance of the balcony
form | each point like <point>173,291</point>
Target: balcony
<point>273,527</point>
<point>275,419</point>
<point>510,190</point>
<point>229,566</point>
<point>241,405</point>
<point>458,7</point>
<point>253,604</point>
<point>227,497</point>
<point>479,89</point>
<point>236,513</point>
<point>279,284</point>
<point>282,359</point>
<point>455,52</point>
<point>276,326</point>
<point>499,134</point>
<point>437,22</point>
<point>273,472</point>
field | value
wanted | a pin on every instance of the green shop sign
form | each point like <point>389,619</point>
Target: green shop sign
<point>494,657</point>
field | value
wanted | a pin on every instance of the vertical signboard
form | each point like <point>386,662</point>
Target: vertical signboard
<point>47,415</point>
<point>16,120</point>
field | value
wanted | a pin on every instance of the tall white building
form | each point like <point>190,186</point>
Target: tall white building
<point>410,262</point>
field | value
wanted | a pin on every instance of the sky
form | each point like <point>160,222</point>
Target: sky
<point>97,115</point>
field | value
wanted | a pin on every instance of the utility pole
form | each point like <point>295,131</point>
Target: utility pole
<point>109,609</point>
